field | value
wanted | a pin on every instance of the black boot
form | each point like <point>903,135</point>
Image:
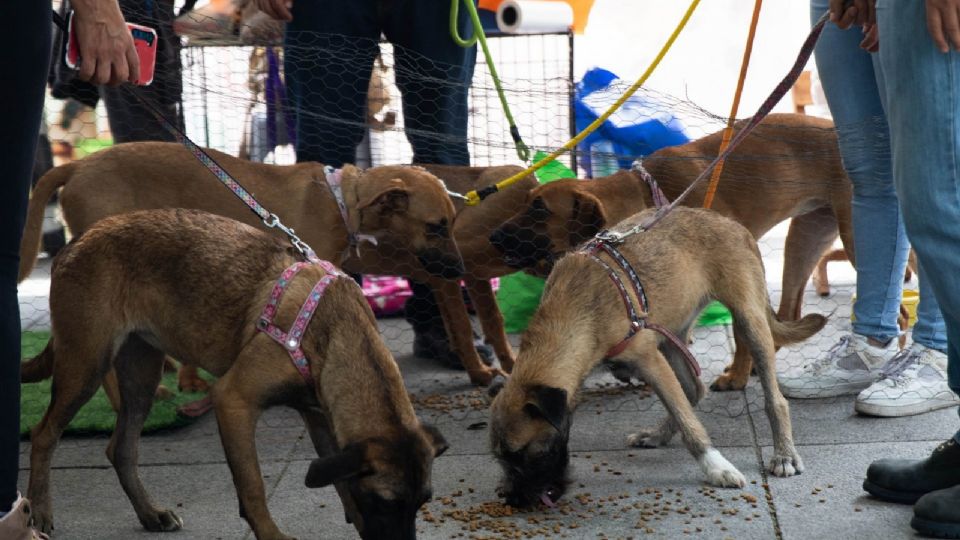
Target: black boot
<point>938,514</point>
<point>906,480</point>
<point>430,337</point>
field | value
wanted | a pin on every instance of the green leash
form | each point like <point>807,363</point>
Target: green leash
<point>522,151</point>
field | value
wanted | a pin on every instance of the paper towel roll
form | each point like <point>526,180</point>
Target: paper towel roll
<point>529,16</point>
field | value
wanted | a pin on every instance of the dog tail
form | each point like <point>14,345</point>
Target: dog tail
<point>39,367</point>
<point>33,227</point>
<point>788,332</point>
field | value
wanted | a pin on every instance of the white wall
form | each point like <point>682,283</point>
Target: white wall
<point>625,35</point>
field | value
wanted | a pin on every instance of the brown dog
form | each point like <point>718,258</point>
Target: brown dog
<point>789,167</point>
<point>194,285</point>
<point>691,257</point>
<point>406,209</point>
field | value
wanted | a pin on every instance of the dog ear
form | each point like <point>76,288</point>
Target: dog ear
<point>549,404</point>
<point>340,466</point>
<point>395,198</point>
<point>587,218</point>
<point>440,444</point>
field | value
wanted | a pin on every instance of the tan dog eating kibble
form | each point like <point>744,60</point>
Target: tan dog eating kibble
<point>193,285</point>
<point>789,167</point>
<point>689,258</point>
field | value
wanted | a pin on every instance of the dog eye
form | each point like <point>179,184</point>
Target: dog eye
<point>539,210</point>
<point>438,229</point>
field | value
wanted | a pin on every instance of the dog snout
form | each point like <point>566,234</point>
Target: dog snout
<point>437,263</point>
<point>504,239</point>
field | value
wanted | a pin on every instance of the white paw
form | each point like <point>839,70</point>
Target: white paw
<point>785,465</point>
<point>719,471</point>
<point>645,438</point>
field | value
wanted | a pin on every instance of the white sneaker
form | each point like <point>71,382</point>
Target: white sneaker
<point>851,365</point>
<point>914,382</point>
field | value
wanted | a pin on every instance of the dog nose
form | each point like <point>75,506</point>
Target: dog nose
<point>498,237</point>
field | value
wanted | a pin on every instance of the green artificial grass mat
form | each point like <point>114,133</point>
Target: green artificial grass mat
<point>96,416</point>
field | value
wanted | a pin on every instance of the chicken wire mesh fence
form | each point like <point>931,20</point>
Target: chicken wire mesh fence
<point>237,98</point>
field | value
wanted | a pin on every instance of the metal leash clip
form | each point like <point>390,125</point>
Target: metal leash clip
<point>273,221</point>
<point>610,237</point>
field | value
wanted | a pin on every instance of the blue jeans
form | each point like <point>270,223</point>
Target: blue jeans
<point>850,82</point>
<point>922,89</point>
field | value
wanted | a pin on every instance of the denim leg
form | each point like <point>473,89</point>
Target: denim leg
<point>329,49</point>
<point>922,89</point>
<point>433,75</point>
<point>850,85</point>
<point>25,35</point>
<point>930,330</point>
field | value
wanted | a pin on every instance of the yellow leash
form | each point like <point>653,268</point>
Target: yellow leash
<point>474,197</point>
<point>728,131</point>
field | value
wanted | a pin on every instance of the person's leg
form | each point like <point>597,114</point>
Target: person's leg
<point>433,74</point>
<point>848,78</point>
<point>329,49</point>
<point>24,28</point>
<point>922,89</point>
<point>130,120</point>
<point>923,100</point>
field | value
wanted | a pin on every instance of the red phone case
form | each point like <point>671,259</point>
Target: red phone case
<point>144,40</point>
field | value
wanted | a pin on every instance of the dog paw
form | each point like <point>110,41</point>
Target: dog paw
<point>719,471</point>
<point>485,376</point>
<point>645,438</point>
<point>41,521</point>
<point>162,394</point>
<point>727,383</point>
<point>782,465</point>
<point>162,521</point>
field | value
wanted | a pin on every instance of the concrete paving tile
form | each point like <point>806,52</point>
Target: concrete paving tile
<point>828,501</point>
<point>89,504</point>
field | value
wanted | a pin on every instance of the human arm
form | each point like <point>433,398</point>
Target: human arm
<point>943,23</point>
<point>847,13</point>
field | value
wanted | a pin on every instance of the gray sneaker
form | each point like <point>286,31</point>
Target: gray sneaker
<point>913,382</point>
<point>851,365</point>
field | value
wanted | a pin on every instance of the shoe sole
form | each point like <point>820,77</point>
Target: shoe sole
<point>887,411</point>
<point>813,392</point>
<point>936,529</point>
<point>889,495</point>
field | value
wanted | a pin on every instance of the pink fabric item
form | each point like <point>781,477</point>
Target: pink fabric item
<point>388,294</point>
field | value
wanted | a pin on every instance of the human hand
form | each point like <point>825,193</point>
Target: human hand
<point>871,38</point>
<point>943,23</point>
<point>278,9</point>
<point>107,53</point>
<point>847,13</point>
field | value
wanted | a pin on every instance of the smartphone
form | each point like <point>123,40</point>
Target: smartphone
<point>144,39</point>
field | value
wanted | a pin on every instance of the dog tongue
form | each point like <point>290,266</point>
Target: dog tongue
<point>545,499</point>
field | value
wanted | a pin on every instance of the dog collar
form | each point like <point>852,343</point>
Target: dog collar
<point>292,339</point>
<point>637,314</point>
<point>335,182</point>
<point>659,198</point>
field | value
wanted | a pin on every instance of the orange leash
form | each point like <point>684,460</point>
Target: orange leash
<point>728,131</point>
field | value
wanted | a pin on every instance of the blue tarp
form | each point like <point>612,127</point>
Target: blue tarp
<point>642,126</point>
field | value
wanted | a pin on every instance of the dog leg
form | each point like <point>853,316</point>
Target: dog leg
<point>658,373</point>
<point>72,387</point>
<point>756,330</point>
<point>237,416</point>
<point>692,388</point>
<point>808,237</point>
<point>323,442</point>
<point>456,320</point>
<point>491,320</point>
<point>138,367</point>
<point>737,374</point>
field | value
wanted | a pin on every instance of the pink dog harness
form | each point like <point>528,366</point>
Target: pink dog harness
<point>292,339</point>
